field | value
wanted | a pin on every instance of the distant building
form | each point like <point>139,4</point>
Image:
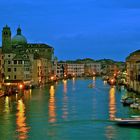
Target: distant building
<point>133,71</point>
<point>75,69</point>
<point>60,70</point>
<point>24,62</point>
<point>92,68</point>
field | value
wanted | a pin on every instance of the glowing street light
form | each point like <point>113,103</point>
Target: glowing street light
<point>52,78</point>
<point>20,86</point>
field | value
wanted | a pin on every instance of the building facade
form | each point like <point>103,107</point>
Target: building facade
<point>92,69</point>
<point>133,71</point>
<point>75,69</point>
<point>60,70</point>
<point>24,62</point>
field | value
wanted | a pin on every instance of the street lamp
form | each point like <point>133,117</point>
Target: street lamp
<point>20,86</point>
<point>52,78</point>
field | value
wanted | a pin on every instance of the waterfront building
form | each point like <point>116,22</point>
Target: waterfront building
<point>92,69</point>
<point>75,69</point>
<point>24,62</point>
<point>69,69</point>
<point>1,67</point>
<point>133,71</point>
<point>60,70</point>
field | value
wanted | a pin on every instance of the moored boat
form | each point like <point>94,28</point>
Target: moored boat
<point>128,121</point>
<point>127,101</point>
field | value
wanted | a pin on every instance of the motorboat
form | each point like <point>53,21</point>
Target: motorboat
<point>127,101</point>
<point>135,121</point>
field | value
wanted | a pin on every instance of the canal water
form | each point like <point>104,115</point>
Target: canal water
<point>67,110</point>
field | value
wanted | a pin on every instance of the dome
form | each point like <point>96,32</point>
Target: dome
<point>19,39</point>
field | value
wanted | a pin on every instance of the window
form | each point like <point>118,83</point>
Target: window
<point>26,62</point>
<point>9,62</point>
<point>9,55</point>
<point>15,77</point>
<point>27,76</point>
<point>26,69</point>
<point>15,69</point>
<point>15,61</point>
<point>20,62</point>
<point>9,69</point>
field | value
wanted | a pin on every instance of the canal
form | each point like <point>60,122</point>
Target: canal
<point>68,110</point>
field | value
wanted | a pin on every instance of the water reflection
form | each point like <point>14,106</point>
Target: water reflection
<point>7,105</point>
<point>105,82</point>
<point>22,127</point>
<point>52,107</point>
<point>65,101</point>
<point>65,86</point>
<point>112,103</point>
<point>110,132</point>
<point>94,78</point>
<point>72,114</point>
<point>73,83</point>
<point>28,94</point>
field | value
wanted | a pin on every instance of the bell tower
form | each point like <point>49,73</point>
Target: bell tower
<point>6,39</point>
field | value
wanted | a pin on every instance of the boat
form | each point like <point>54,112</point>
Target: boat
<point>90,86</point>
<point>127,101</point>
<point>134,105</point>
<point>135,116</point>
<point>128,121</point>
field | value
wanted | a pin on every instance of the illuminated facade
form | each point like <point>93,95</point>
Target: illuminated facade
<point>92,69</point>
<point>75,69</point>
<point>60,69</point>
<point>133,71</point>
<point>25,62</point>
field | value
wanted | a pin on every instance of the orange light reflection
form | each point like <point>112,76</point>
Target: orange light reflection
<point>112,103</point>
<point>22,127</point>
<point>65,86</point>
<point>65,101</point>
<point>52,107</point>
<point>73,83</point>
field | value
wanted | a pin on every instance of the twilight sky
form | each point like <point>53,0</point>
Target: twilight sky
<point>77,28</point>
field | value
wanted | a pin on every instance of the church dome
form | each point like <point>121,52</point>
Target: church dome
<point>19,39</point>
